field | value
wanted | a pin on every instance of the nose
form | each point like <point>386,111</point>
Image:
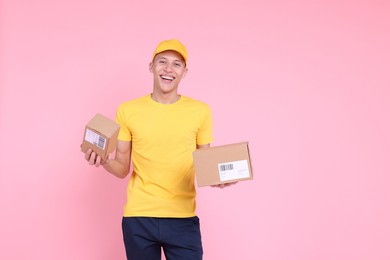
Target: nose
<point>168,67</point>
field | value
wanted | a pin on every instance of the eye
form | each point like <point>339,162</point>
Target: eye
<point>161,61</point>
<point>178,64</point>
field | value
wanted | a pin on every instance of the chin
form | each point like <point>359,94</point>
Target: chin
<point>167,88</point>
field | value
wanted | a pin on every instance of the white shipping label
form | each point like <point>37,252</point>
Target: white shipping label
<point>233,170</point>
<point>95,139</point>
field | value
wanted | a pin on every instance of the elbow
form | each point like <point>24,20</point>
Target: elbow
<point>124,173</point>
<point>122,176</point>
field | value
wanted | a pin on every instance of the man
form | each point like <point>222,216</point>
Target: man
<point>159,132</point>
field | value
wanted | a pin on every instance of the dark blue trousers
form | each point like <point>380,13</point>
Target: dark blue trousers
<point>179,238</point>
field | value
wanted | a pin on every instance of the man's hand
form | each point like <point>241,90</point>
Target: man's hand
<point>119,166</point>
<point>93,158</point>
<point>223,185</point>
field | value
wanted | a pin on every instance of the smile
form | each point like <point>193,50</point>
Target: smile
<point>167,77</point>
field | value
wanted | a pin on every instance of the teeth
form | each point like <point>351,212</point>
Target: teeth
<point>166,77</point>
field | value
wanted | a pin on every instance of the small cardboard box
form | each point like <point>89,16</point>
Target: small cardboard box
<point>222,164</point>
<point>101,134</point>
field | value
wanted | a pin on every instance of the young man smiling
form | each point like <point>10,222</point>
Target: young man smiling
<point>158,134</point>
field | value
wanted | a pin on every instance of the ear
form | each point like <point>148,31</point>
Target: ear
<point>185,73</point>
<point>151,67</point>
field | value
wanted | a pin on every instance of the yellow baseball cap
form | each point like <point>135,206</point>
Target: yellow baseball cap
<point>172,45</point>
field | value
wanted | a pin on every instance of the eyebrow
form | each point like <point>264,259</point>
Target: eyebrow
<point>162,57</point>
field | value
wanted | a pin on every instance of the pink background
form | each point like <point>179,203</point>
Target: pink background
<point>306,83</point>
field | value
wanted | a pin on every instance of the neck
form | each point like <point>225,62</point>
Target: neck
<point>165,98</point>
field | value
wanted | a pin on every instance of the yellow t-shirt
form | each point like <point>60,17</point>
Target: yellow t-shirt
<point>163,138</point>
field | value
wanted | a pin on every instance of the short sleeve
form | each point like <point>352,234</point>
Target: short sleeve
<point>124,132</point>
<point>205,131</point>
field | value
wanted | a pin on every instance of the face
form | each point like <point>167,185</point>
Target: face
<point>168,68</point>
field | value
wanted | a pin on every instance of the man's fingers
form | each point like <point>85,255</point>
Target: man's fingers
<point>231,183</point>
<point>92,158</point>
<point>98,161</point>
<point>224,185</point>
<point>88,154</point>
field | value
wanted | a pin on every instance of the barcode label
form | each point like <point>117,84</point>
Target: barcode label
<point>233,170</point>
<point>226,167</point>
<point>95,139</point>
<point>101,143</point>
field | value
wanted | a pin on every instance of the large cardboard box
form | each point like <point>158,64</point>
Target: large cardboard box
<point>222,164</point>
<point>101,134</point>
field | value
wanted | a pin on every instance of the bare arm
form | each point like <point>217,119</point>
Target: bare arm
<point>119,166</point>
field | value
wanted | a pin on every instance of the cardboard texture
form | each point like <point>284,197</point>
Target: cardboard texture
<point>222,164</point>
<point>100,134</point>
